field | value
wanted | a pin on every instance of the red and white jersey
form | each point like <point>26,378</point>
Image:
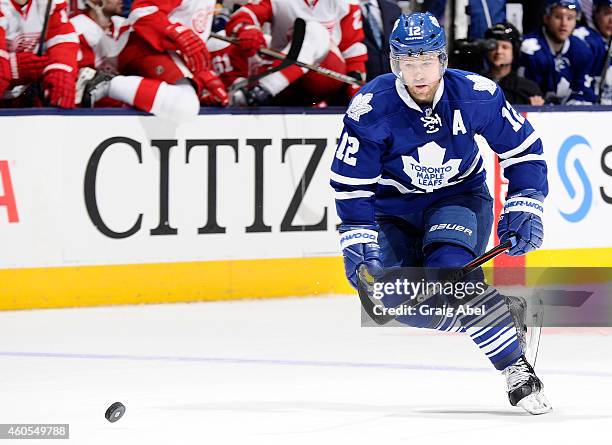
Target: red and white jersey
<point>100,48</point>
<point>195,14</point>
<point>341,18</point>
<point>24,25</point>
<point>227,61</point>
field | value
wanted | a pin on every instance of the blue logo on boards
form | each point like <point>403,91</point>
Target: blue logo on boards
<point>587,200</point>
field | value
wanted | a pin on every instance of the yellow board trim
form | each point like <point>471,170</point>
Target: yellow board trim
<point>56,287</point>
<point>599,257</point>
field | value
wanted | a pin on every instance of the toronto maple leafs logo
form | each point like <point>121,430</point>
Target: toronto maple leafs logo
<point>561,63</point>
<point>360,105</point>
<point>430,172</point>
<point>482,83</point>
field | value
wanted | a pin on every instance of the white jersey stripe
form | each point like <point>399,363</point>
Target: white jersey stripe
<point>353,181</point>
<point>521,148</point>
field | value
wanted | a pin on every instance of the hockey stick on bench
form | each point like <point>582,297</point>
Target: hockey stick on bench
<point>365,281</point>
<point>280,56</point>
<point>297,40</point>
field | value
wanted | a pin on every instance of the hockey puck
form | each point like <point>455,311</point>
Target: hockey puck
<point>115,412</point>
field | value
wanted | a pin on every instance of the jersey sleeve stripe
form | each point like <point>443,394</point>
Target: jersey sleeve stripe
<point>354,194</point>
<point>250,14</point>
<point>521,148</point>
<point>471,167</point>
<point>402,189</point>
<point>353,181</point>
<point>63,38</point>
<point>139,13</point>
<point>526,158</point>
<point>355,50</point>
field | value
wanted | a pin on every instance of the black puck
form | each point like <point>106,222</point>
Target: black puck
<point>115,412</point>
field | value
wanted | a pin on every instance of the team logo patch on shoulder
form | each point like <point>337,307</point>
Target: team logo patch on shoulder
<point>530,46</point>
<point>360,105</point>
<point>482,83</point>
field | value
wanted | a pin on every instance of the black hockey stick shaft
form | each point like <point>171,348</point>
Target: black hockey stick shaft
<point>383,319</point>
<point>280,56</point>
<point>43,32</point>
<point>604,71</point>
<point>297,40</point>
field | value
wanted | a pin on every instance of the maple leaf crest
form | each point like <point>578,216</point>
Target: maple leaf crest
<point>482,83</point>
<point>430,172</point>
<point>360,105</point>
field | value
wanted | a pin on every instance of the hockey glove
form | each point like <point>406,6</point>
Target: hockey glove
<point>27,67</point>
<point>360,246</point>
<point>211,89</point>
<point>522,218</point>
<point>59,85</point>
<point>5,72</point>
<point>351,89</point>
<point>192,48</point>
<point>250,39</point>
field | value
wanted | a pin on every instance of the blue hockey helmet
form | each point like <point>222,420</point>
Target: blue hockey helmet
<point>574,5</point>
<point>601,4</point>
<point>414,35</point>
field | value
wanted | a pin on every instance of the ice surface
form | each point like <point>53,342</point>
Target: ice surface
<point>288,371</point>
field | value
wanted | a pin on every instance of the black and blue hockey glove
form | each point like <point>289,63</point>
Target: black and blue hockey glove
<point>522,218</point>
<point>360,246</point>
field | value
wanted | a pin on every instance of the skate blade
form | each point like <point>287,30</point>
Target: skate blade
<point>536,404</point>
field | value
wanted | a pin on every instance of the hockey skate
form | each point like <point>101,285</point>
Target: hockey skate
<point>525,389</point>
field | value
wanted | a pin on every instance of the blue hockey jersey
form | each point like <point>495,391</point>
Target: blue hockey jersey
<point>599,47</point>
<point>395,158</point>
<point>563,77</point>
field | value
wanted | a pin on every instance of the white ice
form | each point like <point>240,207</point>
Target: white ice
<point>288,371</point>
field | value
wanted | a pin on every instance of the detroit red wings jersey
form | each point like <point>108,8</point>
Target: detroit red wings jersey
<point>342,19</point>
<point>196,14</point>
<point>100,49</point>
<point>227,60</point>
<point>24,25</point>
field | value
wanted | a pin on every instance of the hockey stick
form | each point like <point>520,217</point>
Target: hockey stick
<point>43,32</point>
<point>297,40</point>
<point>280,56</point>
<point>365,282</point>
<point>604,71</point>
<point>35,89</point>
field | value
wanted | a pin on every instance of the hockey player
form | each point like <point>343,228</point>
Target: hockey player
<point>102,35</point>
<point>556,60</point>
<point>410,184</point>
<point>23,22</point>
<point>5,67</point>
<point>334,39</point>
<point>167,42</point>
<point>598,39</point>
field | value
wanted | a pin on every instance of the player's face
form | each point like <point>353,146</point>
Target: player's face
<point>421,74</point>
<point>603,21</point>
<point>560,23</point>
<point>112,7</point>
<point>502,55</point>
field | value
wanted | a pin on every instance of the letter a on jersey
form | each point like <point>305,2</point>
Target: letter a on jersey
<point>458,126</point>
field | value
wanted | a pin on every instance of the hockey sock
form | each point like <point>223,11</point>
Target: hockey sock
<point>178,103</point>
<point>491,325</point>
